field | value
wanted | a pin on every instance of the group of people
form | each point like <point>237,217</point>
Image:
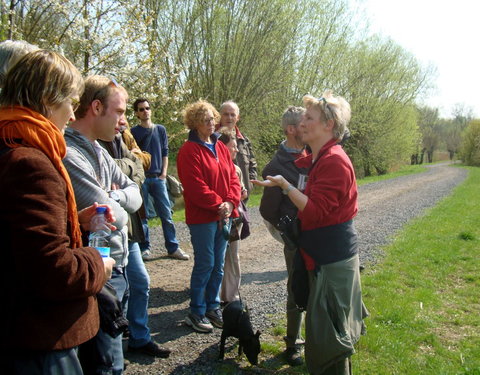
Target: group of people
<point>55,176</point>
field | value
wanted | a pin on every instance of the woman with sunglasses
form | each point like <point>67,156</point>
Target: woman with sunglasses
<point>49,305</point>
<point>328,240</point>
<point>211,193</point>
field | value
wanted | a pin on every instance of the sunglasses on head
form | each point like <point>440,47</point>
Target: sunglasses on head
<point>144,109</point>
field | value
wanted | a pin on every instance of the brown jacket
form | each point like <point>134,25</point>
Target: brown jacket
<point>49,289</point>
<point>144,156</point>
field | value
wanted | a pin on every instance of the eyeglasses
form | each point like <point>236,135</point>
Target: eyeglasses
<point>75,104</point>
<point>326,108</point>
<point>144,109</point>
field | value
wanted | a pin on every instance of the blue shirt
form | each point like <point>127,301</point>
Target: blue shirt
<point>153,140</point>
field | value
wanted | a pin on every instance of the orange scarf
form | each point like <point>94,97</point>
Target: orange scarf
<point>36,131</point>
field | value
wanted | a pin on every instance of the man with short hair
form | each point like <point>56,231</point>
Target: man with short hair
<point>152,138</point>
<point>275,204</point>
<point>245,159</point>
<point>140,340</point>
<point>97,178</point>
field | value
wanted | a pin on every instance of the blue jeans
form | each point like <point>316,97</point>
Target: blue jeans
<point>110,349</point>
<point>209,247</point>
<point>137,309</point>
<point>157,188</point>
<point>25,362</point>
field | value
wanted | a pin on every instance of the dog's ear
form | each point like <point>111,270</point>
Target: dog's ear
<point>258,334</point>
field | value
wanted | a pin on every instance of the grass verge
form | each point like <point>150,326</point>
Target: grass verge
<point>423,297</point>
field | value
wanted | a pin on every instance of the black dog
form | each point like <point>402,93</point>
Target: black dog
<point>236,323</point>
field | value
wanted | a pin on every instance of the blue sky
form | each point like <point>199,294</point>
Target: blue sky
<point>441,33</point>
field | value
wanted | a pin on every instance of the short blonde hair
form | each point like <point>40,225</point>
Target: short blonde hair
<point>333,108</point>
<point>194,113</point>
<point>97,88</point>
<point>41,80</point>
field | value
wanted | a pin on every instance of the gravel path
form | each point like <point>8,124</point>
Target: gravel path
<point>383,208</point>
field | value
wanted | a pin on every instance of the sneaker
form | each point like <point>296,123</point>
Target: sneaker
<point>147,255</point>
<point>152,349</point>
<point>293,355</point>
<point>179,254</point>
<point>215,317</point>
<point>198,323</point>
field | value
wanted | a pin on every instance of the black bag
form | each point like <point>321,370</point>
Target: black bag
<point>300,282</point>
<point>289,231</point>
<point>244,218</point>
<point>112,320</point>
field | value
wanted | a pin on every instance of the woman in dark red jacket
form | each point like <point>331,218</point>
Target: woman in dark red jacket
<point>328,240</point>
<point>49,305</point>
<point>211,192</point>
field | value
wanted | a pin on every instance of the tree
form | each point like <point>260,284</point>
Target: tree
<point>470,149</point>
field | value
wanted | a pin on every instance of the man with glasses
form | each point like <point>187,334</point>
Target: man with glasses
<point>153,138</point>
<point>96,178</point>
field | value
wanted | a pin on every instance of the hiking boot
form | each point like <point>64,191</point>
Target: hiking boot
<point>179,254</point>
<point>199,323</point>
<point>215,317</point>
<point>152,349</point>
<point>293,356</point>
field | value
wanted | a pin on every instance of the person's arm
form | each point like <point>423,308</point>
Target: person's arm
<point>296,196</point>
<point>190,172</point>
<point>86,187</point>
<point>164,140</point>
<point>128,191</point>
<point>252,162</point>
<point>163,176</point>
<point>271,199</point>
<point>39,249</point>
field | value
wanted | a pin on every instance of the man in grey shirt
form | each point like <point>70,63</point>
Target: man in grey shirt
<point>97,178</point>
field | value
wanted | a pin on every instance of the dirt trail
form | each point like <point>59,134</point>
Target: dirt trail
<point>383,208</point>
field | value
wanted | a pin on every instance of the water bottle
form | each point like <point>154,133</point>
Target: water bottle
<point>100,233</point>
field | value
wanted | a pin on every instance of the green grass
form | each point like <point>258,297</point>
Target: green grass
<point>423,297</point>
<point>406,170</point>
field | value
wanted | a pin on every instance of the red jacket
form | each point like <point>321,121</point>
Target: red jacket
<point>207,180</point>
<point>331,190</point>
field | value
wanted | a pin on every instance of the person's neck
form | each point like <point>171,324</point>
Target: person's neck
<point>292,142</point>
<point>205,139</point>
<point>84,129</point>
<point>317,146</point>
<point>146,123</point>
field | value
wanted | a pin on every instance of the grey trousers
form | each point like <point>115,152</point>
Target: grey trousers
<point>294,315</point>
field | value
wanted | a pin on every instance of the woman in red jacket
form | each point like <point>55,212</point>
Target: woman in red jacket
<point>49,305</point>
<point>328,240</point>
<point>211,192</point>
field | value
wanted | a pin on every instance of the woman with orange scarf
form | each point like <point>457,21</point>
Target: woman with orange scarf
<point>49,305</point>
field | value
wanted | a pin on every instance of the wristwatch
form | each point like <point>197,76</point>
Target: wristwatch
<point>114,195</point>
<point>288,189</point>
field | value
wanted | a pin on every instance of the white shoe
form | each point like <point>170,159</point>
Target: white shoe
<point>179,254</point>
<point>147,255</point>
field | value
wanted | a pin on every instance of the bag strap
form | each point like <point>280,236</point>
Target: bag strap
<point>148,137</point>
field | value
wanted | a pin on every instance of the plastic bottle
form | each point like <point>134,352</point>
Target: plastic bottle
<point>100,233</point>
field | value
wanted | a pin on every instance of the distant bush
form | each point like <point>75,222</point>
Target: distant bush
<point>470,148</point>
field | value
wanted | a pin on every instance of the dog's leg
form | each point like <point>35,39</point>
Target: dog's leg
<point>240,348</point>
<point>221,355</point>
